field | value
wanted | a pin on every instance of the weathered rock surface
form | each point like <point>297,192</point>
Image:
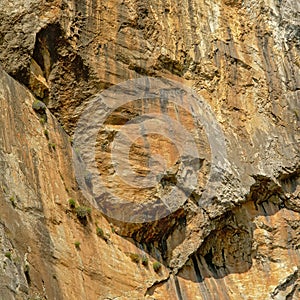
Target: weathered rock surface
<point>242,57</point>
<point>39,229</point>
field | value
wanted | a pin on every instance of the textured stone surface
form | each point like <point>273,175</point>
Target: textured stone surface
<point>242,57</point>
<point>39,228</point>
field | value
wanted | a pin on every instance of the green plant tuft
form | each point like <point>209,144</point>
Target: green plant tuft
<point>43,120</point>
<point>8,255</point>
<point>52,146</point>
<point>77,244</point>
<point>46,133</point>
<point>134,257</point>
<point>145,260</point>
<point>12,201</point>
<point>83,212</point>
<point>39,106</point>
<point>72,203</point>
<point>100,232</point>
<point>112,229</point>
<point>156,266</point>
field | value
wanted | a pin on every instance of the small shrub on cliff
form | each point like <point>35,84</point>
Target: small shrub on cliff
<point>77,244</point>
<point>46,133</point>
<point>156,266</point>
<point>134,257</point>
<point>72,203</point>
<point>51,146</point>
<point>100,232</point>
<point>39,106</point>
<point>43,120</point>
<point>8,255</point>
<point>112,229</point>
<point>12,201</point>
<point>144,260</point>
<point>83,212</point>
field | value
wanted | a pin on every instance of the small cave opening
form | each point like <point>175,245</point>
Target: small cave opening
<point>46,47</point>
<point>53,60</point>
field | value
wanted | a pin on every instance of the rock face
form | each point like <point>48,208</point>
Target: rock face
<point>235,235</point>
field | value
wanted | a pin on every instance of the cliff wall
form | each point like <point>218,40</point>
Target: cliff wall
<point>232,234</point>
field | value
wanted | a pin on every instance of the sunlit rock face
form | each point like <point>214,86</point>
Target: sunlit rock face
<point>232,229</point>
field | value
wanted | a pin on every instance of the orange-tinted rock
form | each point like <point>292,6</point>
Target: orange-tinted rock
<point>242,57</point>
